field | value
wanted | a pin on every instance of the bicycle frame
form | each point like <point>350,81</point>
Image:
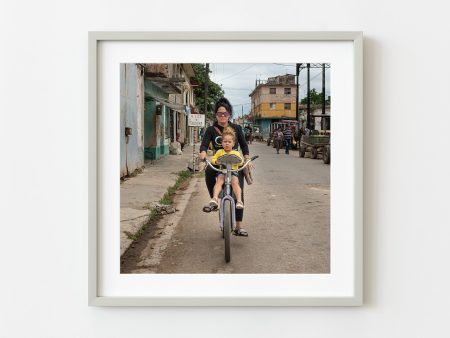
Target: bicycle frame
<point>226,190</point>
<point>226,224</point>
<point>227,196</point>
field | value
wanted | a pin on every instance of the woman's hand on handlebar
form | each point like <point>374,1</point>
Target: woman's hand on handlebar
<point>250,165</point>
<point>202,155</point>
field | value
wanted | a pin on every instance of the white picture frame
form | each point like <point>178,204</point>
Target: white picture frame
<point>353,296</point>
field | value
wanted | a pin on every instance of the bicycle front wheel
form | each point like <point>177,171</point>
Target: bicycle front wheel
<point>227,219</point>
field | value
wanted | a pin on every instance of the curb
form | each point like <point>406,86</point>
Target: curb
<point>133,221</point>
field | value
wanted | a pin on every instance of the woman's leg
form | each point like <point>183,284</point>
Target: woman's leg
<point>240,212</point>
<point>210,179</point>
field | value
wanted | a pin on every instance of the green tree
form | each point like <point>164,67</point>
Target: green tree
<point>316,98</point>
<point>215,91</point>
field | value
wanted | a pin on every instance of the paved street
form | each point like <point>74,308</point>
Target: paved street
<point>287,215</point>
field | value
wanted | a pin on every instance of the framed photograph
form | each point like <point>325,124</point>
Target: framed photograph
<point>189,132</point>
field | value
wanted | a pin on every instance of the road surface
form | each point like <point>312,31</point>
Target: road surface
<point>287,216</point>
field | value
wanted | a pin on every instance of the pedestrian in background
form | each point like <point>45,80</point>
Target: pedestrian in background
<point>278,137</point>
<point>287,135</point>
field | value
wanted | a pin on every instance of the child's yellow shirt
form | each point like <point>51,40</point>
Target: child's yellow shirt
<point>222,152</point>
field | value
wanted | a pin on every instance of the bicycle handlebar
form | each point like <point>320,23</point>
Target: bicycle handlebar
<point>237,170</point>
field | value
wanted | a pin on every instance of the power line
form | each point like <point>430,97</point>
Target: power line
<point>284,64</point>
<point>229,88</point>
<point>243,70</point>
<point>320,73</point>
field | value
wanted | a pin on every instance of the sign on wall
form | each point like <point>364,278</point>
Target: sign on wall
<point>196,120</point>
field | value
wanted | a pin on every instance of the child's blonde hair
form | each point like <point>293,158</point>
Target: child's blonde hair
<point>229,131</point>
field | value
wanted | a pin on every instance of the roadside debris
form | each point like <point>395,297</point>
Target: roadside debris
<point>165,209</point>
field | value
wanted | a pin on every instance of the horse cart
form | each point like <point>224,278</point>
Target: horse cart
<point>316,145</point>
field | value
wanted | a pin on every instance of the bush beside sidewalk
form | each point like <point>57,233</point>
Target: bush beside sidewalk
<point>140,194</point>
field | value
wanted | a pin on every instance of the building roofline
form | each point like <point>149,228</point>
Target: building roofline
<point>271,85</point>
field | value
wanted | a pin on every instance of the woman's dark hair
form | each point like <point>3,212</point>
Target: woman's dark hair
<point>223,102</point>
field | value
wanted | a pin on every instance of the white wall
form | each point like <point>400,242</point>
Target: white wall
<point>43,138</point>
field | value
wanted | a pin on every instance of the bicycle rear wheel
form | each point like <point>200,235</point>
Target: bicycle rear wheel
<point>227,229</point>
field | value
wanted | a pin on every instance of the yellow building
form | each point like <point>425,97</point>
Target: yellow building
<point>273,100</point>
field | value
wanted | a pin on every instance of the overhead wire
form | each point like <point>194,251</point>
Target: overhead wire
<point>243,70</point>
<point>252,65</point>
<point>320,73</point>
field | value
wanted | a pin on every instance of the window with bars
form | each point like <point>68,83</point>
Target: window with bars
<point>272,90</point>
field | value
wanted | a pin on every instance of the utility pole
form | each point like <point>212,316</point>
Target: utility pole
<point>310,122</point>
<point>308,116</point>
<point>206,88</point>
<point>323,97</point>
<point>323,88</point>
<point>297,73</point>
<point>205,110</point>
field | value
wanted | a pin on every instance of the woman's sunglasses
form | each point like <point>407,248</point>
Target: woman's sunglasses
<point>223,114</point>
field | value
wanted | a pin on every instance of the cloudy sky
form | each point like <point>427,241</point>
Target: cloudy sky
<point>238,80</point>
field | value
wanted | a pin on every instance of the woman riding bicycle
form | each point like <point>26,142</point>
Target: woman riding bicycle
<point>213,134</point>
<point>228,142</point>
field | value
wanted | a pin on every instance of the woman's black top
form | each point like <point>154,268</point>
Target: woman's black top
<point>211,135</point>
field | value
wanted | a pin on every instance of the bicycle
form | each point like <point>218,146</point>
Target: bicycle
<point>227,212</point>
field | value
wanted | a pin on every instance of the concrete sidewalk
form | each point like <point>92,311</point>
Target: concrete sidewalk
<point>139,194</point>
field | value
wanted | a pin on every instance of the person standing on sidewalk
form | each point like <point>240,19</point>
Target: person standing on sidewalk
<point>287,134</point>
<point>213,134</point>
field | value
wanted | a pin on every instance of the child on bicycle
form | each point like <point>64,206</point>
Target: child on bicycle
<point>228,141</point>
